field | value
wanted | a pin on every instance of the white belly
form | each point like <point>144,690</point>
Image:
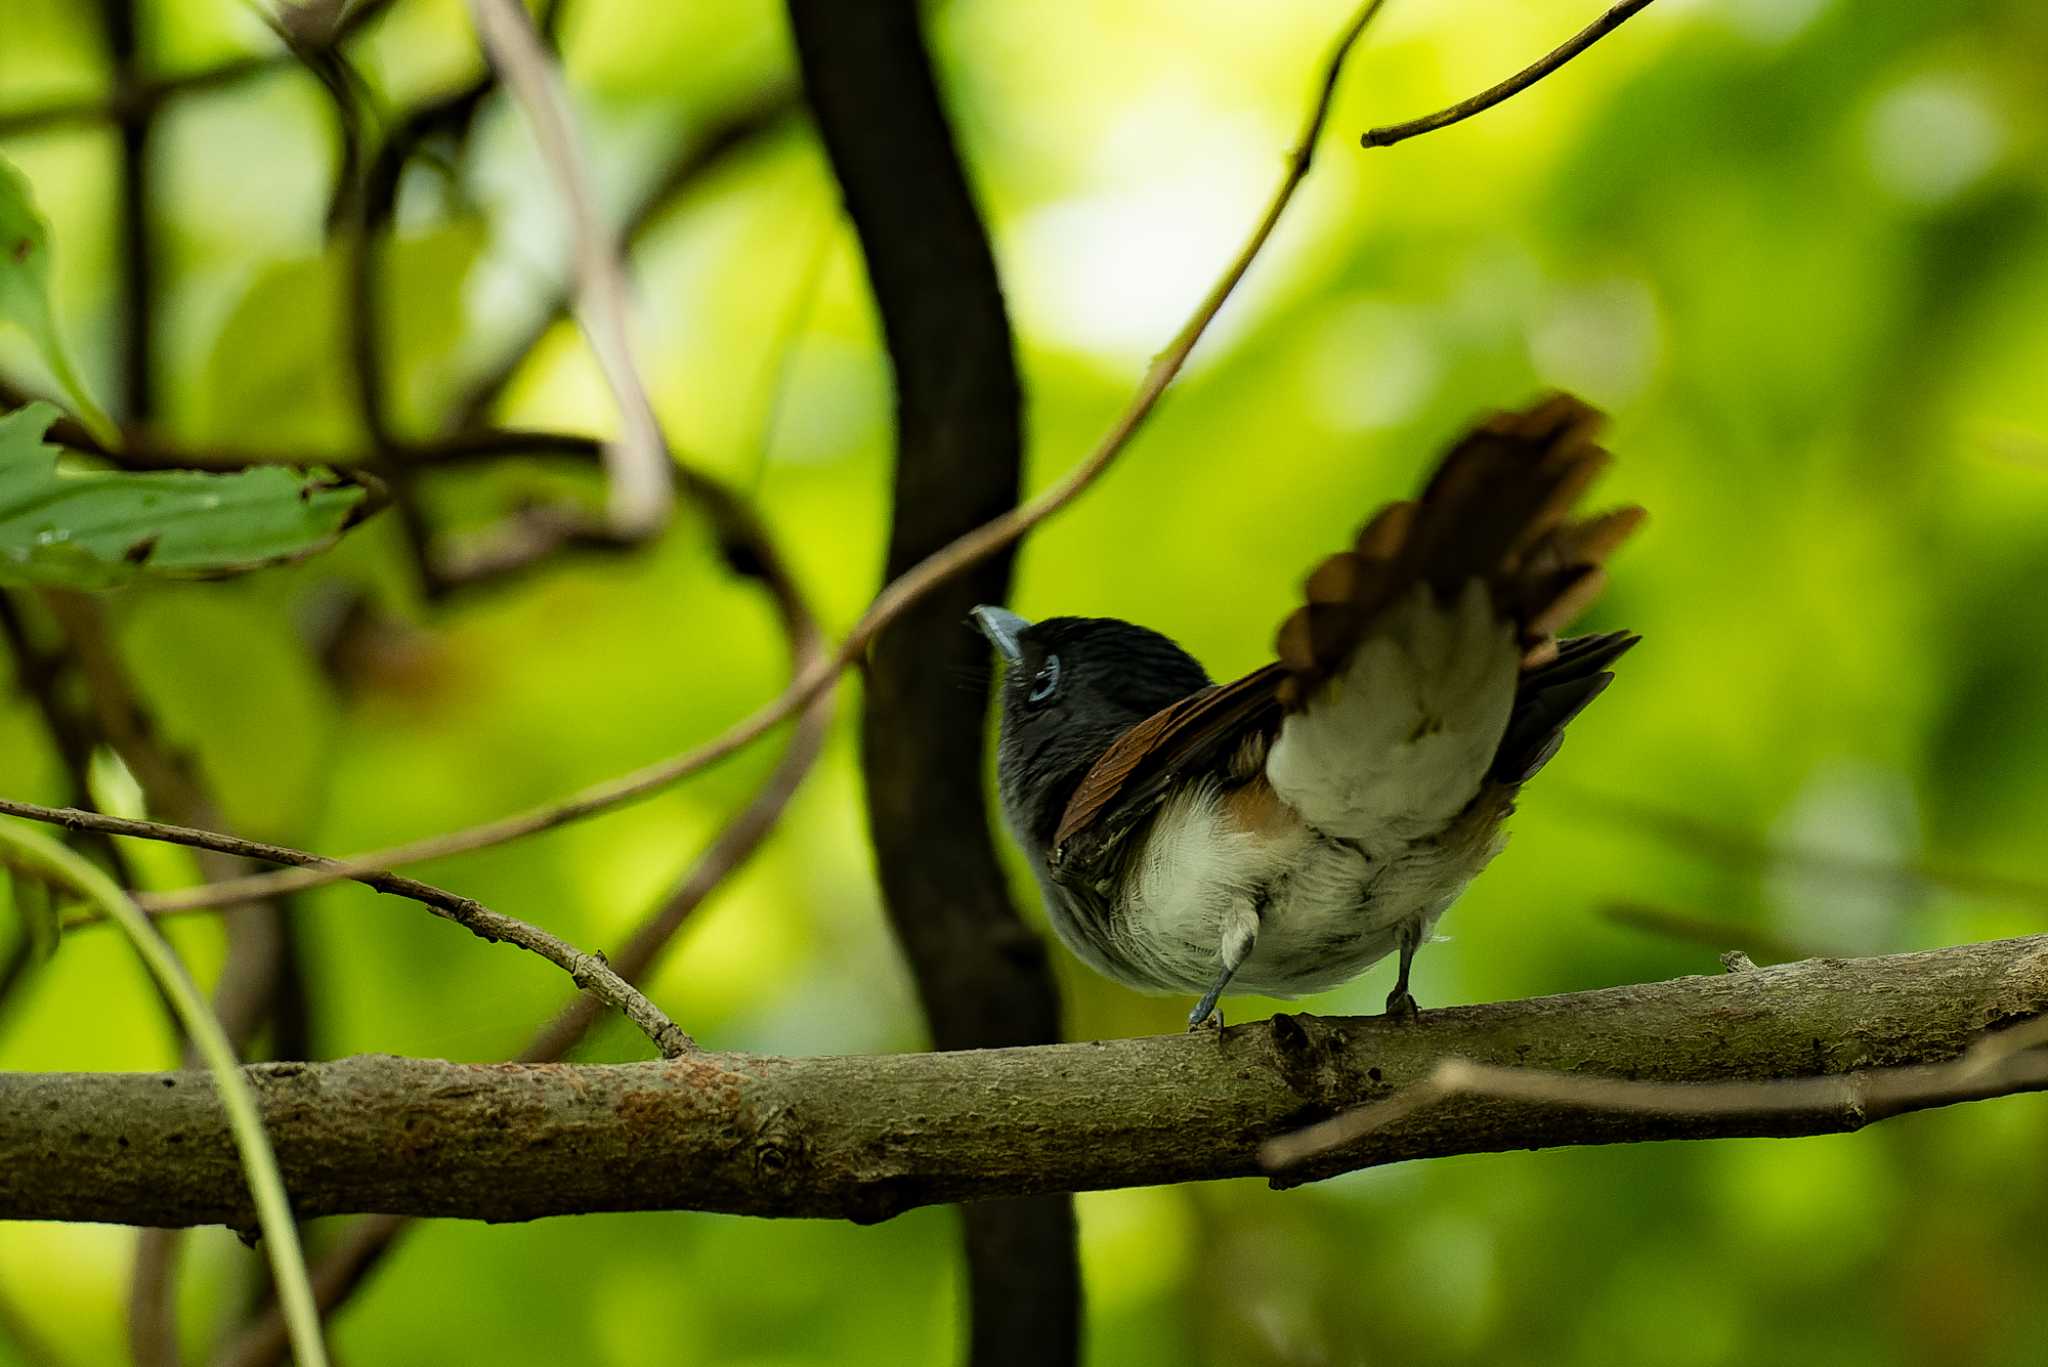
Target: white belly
<point>1327,909</point>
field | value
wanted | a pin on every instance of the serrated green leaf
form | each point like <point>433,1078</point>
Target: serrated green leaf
<point>97,529</point>
<point>25,290</point>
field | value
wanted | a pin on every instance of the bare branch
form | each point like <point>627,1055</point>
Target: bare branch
<point>1993,1066</point>
<point>868,1138</point>
<point>641,476</point>
<point>146,452</point>
<point>958,555</point>
<point>1389,134</point>
<point>589,971</point>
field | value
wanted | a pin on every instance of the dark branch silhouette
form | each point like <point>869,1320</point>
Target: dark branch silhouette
<point>981,975</point>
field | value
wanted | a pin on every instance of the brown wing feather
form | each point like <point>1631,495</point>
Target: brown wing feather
<point>1200,730</point>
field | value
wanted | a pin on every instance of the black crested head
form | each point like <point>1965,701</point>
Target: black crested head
<point>1071,686</point>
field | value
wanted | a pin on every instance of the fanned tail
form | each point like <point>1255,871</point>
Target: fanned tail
<point>1498,511</point>
<point>1425,659</point>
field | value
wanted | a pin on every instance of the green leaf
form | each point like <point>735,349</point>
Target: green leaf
<point>36,910</point>
<point>25,291</point>
<point>96,529</point>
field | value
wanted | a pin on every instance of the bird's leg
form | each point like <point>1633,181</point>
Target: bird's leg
<point>1240,933</point>
<point>1400,1001</point>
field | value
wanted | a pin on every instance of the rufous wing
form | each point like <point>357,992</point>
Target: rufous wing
<point>1199,732</point>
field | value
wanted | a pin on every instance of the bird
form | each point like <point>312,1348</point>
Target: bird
<point>1282,833</point>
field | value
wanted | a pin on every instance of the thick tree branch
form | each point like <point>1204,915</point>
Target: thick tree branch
<point>867,1138</point>
<point>981,975</point>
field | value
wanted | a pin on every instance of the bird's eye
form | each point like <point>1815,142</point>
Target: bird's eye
<point>1047,679</point>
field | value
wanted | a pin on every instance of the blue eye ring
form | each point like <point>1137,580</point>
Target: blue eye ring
<point>1047,680</point>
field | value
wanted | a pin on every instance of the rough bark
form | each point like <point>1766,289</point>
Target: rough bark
<point>982,977</point>
<point>867,1138</point>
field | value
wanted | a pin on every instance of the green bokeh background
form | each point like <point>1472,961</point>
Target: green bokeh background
<point>1797,248</point>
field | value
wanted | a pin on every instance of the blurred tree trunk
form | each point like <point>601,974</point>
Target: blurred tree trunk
<point>981,974</point>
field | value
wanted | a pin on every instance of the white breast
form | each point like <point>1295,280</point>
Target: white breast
<point>1326,911</point>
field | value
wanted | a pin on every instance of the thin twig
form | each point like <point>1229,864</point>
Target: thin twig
<point>2000,1045</point>
<point>751,825</point>
<point>589,971</point>
<point>468,447</point>
<point>1859,1096</point>
<point>172,791</point>
<point>1389,134</point>
<point>641,474</point>
<point>968,550</point>
<point>40,675</point>
<point>524,539</point>
<point>363,214</point>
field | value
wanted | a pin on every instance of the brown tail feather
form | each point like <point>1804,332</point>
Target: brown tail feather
<point>1497,509</point>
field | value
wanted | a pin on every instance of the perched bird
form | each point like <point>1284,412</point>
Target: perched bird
<point>1282,833</point>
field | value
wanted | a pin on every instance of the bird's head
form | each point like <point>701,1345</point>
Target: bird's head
<point>1071,686</point>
